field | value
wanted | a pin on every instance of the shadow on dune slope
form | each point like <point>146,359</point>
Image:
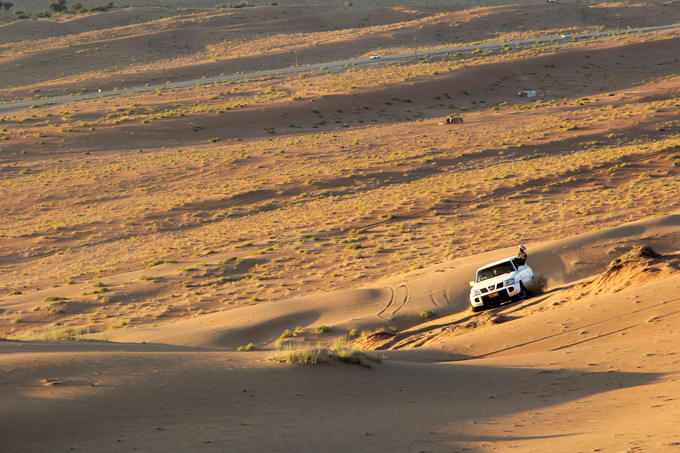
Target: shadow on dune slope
<point>210,401</point>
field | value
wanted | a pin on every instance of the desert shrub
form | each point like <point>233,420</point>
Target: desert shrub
<point>286,334</point>
<point>339,349</point>
<point>343,351</point>
<point>322,329</point>
<point>86,334</point>
<point>354,333</point>
<point>427,314</point>
<point>299,330</point>
<point>58,6</point>
<point>14,293</point>
<point>158,262</point>
<point>53,299</point>
<point>298,352</point>
<point>248,347</point>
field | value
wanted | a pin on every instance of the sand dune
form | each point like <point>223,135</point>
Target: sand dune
<point>212,401</point>
<point>400,303</point>
<point>156,233</point>
<point>609,356</point>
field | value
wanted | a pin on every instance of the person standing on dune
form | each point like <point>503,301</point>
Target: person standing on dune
<point>521,256</point>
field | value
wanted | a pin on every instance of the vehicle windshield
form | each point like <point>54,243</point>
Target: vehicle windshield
<point>494,271</point>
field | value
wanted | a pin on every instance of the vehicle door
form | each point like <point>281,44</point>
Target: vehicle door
<point>525,274</point>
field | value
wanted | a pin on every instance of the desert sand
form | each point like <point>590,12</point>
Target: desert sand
<point>278,263</point>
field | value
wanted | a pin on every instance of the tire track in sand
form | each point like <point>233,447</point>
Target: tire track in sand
<point>381,313</point>
<point>404,301</point>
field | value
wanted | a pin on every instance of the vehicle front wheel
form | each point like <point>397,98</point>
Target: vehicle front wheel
<point>477,309</point>
<point>522,293</point>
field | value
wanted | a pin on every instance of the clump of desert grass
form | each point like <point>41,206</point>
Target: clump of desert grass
<point>344,351</point>
<point>287,334</point>
<point>65,333</point>
<point>297,351</point>
<point>340,349</point>
<point>248,347</point>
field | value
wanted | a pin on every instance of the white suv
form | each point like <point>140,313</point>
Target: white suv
<point>500,282</point>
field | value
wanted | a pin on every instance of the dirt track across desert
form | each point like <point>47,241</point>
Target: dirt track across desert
<point>492,46</point>
<point>264,257</point>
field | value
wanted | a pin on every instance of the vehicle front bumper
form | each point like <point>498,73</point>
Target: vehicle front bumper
<point>488,299</point>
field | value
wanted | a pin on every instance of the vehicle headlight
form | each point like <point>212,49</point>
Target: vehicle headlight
<point>508,282</point>
<point>476,292</point>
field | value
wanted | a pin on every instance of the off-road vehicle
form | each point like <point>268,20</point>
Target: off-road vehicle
<point>499,282</point>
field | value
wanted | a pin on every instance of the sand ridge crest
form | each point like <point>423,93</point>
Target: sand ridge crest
<point>639,266</point>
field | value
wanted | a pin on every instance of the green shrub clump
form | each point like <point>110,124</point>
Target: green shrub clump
<point>53,299</point>
<point>158,262</point>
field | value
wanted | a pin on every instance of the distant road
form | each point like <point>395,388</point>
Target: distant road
<point>336,64</point>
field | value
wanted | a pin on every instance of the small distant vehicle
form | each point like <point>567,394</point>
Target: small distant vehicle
<point>499,282</point>
<point>375,56</point>
<point>454,118</point>
<point>566,35</point>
